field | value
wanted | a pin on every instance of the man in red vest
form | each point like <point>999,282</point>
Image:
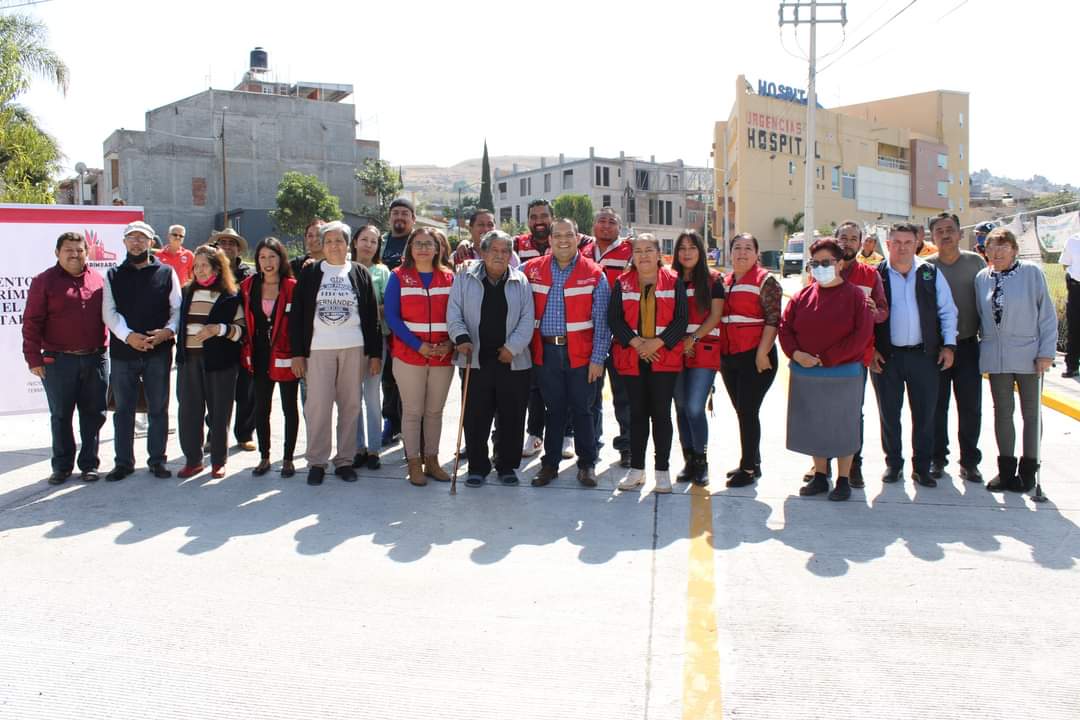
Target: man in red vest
<point>612,254</point>
<point>570,344</point>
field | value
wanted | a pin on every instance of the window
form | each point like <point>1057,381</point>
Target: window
<point>961,151</point>
<point>951,178</point>
<point>652,211</point>
<point>665,209</point>
<point>642,179</point>
<point>605,201</point>
<point>791,167</point>
<point>961,119</point>
<point>526,187</point>
<point>603,176</point>
<point>502,191</point>
<point>835,179</point>
<point>505,214</point>
<point>942,160</point>
<point>114,171</point>
<point>660,212</point>
<point>673,181</point>
<point>567,179</point>
<point>522,192</point>
<point>517,213</point>
<point>848,186</point>
<point>547,182</point>
<point>267,90</point>
<point>631,210</point>
<point>942,188</point>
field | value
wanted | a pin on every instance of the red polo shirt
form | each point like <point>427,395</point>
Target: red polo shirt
<point>63,314</point>
<point>182,262</point>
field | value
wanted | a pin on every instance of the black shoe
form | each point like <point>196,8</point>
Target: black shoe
<point>1006,477</point>
<point>741,478</point>
<point>890,475</point>
<point>360,459</point>
<point>971,474</point>
<point>1070,373</point>
<point>756,473</point>
<point>262,468</point>
<point>509,478</point>
<point>59,477</point>
<point>842,491</point>
<point>160,471</point>
<point>1026,472</point>
<point>587,476</point>
<point>701,469</point>
<point>373,462</point>
<point>624,458</point>
<point>923,478</point>
<point>346,473</point>
<point>475,481</point>
<point>118,473</point>
<point>856,479</point>
<point>315,475</point>
<point>817,485</point>
<point>687,472</point>
<point>287,469</point>
<point>90,476</point>
<point>545,476</point>
<point>937,469</point>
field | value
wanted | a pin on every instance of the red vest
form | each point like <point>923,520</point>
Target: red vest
<point>707,349</point>
<point>526,248</point>
<point>614,262</point>
<point>423,310</point>
<point>864,276</point>
<point>624,357</point>
<point>743,318</point>
<point>577,299</point>
<point>280,369</point>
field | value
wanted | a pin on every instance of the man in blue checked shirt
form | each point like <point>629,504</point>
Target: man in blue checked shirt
<point>570,344</point>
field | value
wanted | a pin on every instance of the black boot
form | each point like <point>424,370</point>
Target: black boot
<point>1006,477</point>
<point>687,472</point>
<point>701,469</point>
<point>1028,469</point>
<point>818,484</point>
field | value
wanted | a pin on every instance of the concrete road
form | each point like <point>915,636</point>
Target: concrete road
<point>265,598</point>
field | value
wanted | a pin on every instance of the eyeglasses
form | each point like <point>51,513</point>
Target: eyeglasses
<point>822,263</point>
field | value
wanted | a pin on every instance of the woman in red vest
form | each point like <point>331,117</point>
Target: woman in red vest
<point>415,309</point>
<point>701,353</point>
<point>647,314</point>
<point>748,360</point>
<point>266,354</point>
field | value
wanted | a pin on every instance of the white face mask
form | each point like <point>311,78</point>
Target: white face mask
<point>824,275</point>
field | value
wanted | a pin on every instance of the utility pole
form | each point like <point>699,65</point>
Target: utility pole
<point>224,181</point>
<point>810,140</point>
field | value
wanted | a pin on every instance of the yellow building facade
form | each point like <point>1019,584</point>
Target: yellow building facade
<point>885,161</point>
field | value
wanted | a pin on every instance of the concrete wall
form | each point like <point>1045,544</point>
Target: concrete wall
<point>173,169</point>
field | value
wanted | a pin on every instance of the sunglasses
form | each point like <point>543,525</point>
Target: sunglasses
<point>822,263</point>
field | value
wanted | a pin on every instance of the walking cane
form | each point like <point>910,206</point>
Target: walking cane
<point>1038,496</point>
<point>460,425</point>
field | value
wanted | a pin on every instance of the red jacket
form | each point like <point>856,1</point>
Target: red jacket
<point>526,248</point>
<point>625,358</point>
<point>865,277</point>
<point>280,369</point>
<point>577,297</point>
<point>423,310</point>
<point>707,349</point>
<point>743,318</point>
<point>614,262</point>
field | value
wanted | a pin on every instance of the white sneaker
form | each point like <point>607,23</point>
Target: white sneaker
<point>663,481</point>
<point>532,446</point>
<point>567,448</point>
<point>635,479</point>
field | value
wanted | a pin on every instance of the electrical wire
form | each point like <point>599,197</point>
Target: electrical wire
<point>958,6</point>
<point>881,27</point>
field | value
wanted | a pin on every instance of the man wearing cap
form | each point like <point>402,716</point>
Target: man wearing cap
<point>981,231</point>
<point>64,341</point>
<point>402,219</point>
<point>176,256</point>
<point>141,307</point>
<point>234,245</point>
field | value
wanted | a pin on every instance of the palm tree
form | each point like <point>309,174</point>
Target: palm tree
<point>23,52</point>
<point>791,226</point>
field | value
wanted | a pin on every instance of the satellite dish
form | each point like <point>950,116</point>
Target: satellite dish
<point>80,167</point>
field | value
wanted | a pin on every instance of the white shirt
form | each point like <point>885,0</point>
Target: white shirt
<point>337,317</point>
<point>1070,258</point>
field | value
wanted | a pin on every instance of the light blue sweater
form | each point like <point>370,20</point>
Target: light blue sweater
<point>1029,325</point>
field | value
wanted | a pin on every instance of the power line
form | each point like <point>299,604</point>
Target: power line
<point>867,37</point>
<point>958,6</point>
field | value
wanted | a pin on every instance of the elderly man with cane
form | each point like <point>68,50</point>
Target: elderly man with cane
<point>490,319</point>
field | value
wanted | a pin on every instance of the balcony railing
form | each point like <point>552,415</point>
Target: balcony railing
<point>893,163</point>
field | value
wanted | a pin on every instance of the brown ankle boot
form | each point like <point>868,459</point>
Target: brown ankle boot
<point>416,472</point>
<point>432,469</point>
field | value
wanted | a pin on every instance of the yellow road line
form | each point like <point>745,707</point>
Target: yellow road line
<point>702,698</point>
<point>1061,403</point>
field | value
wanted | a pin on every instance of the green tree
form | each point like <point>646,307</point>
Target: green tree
<point>300,198</point>
<point>382,182</point>
<point>576,207</point>
<point>1052,201</point>
<point>513,228</point>
<point>790,226</point>
<point>29,157</point>
<point>486,198</point>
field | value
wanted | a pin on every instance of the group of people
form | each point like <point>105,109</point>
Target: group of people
<point>372,325</point>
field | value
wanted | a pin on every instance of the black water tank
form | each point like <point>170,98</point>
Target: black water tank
<point>258,59</point>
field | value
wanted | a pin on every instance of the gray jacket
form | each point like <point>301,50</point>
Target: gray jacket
<point>1029,325</point>
<point>463,313</point>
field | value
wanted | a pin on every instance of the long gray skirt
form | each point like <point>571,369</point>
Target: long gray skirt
<point>824,405</point>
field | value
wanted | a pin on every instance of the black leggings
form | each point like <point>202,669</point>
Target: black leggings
<point>747,387</point>
<point>650,399</point>
<point>264,400</point>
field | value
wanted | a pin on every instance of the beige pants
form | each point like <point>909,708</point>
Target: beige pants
<point>423,395</point>
<point>333,377</point>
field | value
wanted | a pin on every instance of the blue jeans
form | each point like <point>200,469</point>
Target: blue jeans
<point>622,408</point>
<point>154,369</point>
<point>691,394</point>
<point>371,410</point>
<point>75,382</point>
<point>566,392</point>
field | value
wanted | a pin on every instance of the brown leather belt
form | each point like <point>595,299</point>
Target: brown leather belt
<point>91,351</point>
<point>553,339</point>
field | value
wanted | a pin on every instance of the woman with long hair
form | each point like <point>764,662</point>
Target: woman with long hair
<point>207,358</point>
<point>266,354</point>
<point>415,305</point>
<point>701,352</point>
<point>367,252</point>
<point>647,313</point>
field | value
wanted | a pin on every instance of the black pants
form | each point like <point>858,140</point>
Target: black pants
<point>244,424</point>
<point>650,396</point>
<point>391,398</point>
<point>1072,323</point>
<point>965,382</point>
<point>204,393</point>
<point>918,372</point>
<point>264,401</point>
<point>496,393</point>
<point>747,387</point>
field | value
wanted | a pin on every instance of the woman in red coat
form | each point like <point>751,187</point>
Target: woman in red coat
<point>266,353</point>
